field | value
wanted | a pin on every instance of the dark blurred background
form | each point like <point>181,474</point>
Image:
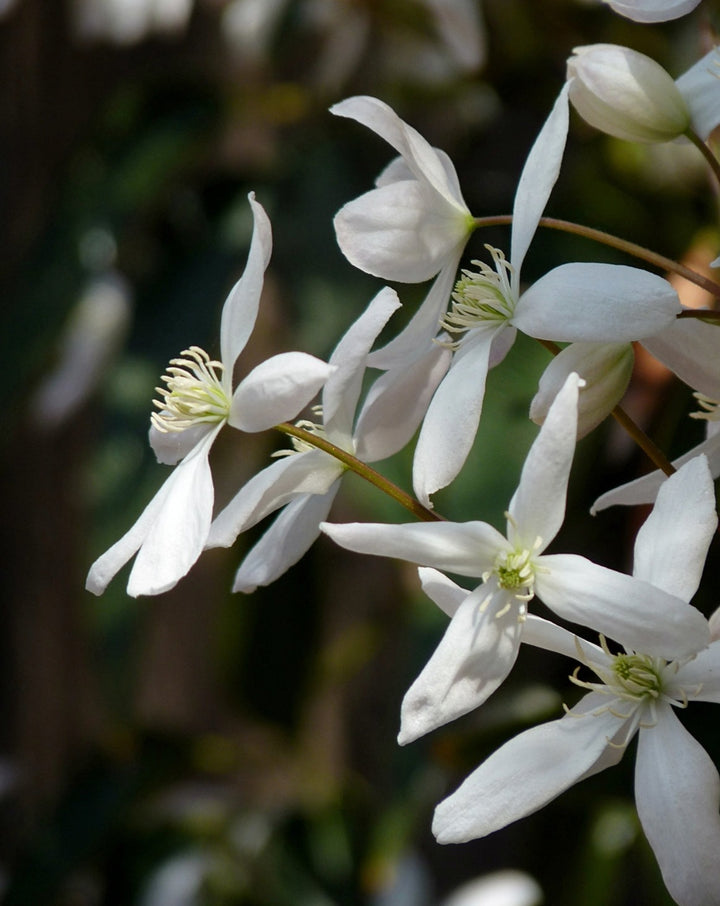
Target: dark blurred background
<point>208,749</point>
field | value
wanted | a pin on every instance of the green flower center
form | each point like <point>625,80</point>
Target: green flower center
<point>638,676</point>
<point>515,571</point>
<point>194,393</point>
<point>482,296</point>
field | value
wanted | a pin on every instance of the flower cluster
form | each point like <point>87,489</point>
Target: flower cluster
<point>654,652</point>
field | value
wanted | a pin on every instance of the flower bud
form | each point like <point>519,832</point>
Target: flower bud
<point>626,94</point>
<point>606,369</point>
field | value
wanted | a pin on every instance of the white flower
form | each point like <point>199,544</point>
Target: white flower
<point>628,95</point>
<point>306,481</point>
<point>677,788</point>
<point>482,640</point>
<point>574,302</point>
<point>195,404</point>
<point>652,10</point>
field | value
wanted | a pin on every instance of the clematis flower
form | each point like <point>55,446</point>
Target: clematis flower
<point>306,481</point>
<point>481,643</point>
<point>197,401</point>
<point>573,302</point>
<point>627,94</point>
<point>677,788</point>
<point>652,10</point>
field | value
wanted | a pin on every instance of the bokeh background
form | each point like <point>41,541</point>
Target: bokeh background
<point>208,749</point>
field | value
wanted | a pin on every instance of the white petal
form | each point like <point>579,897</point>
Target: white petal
<point>599,303</point>
<point>473,658</point>
<point>624,608</point>
<point>537,180</point>
<point>652,10</point>
<point>342,389</point>
<point>537,508</point>
<point>305,473</point>
<point>522,776</point>
<point>465,548</point>
<point>399,232</point>
<point>672,544</point>
<point>172,446</point>
<point>414,339</point>
<point>241,306</point>
<point>606,369</point>
<point>452,418</point>
<point>689,347</point>
<point>396,404</point>
<point>542,633</point>
<point>277,390</point>
<point>289,537</point>
<point>442,591</point>
<point>420,156</point>
<point>702,673</point>
<point>677,792</point>
<point>700,86</point>
<point>645,489</point>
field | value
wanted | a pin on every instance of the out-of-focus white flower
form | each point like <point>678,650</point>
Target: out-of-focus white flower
<point>130,21</point>
<point>481,643</point>
<point>95,331</point>
<point>652,10</point>
<point>628,95</point>
<point>195,404</point>
<point>677,788</point>
<point>501,888</point>
<point>306,481</point>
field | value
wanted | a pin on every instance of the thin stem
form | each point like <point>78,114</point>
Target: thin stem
<point>363,470</point>
<point>646,444</point>
<point>701,314</point>
<point>710,158</point>
<point>623,245</point>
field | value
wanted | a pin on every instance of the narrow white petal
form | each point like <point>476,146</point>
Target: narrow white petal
<point>452,418</point>
<point>700,86</point>
<point>632,612</point>
<point>652,10</point>
<point>544,634</point>
<point>241,306</point>
<point>677,792</point>
<point>689,347</point>
<point>645,489</point>
<point>465,548</point>
<point>599,303</point>
<point>398,232</point>
<point>537,508</point>
<point>305,473</point>
<point>289,537</point>
<point>277,390</point>
<point>538,177</point>
<point>672,544</point>
<point>447,594</point>
<point>606,369</point>
<point>170,447</point>
<point>342,389</point>
<point>702,674</point>
<point>421,158</point>
<point>180,528</point>
<point>424,325</point>
<point>523,775</point>
<point>396,404</point>
<point>473,658</point>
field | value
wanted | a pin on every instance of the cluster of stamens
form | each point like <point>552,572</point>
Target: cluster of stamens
<point>481,296</point>
<point>710,408</point>
<point>300,445</point>
<point>194,393</point>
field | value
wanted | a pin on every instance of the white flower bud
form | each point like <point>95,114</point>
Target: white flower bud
<point>626,94</point>
<point>606,369</point>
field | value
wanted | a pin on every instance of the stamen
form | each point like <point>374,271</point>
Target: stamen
<point>195,393</point>
<point>300,445</point>
<point>481,296</point>
<point>516,571</point>
<point>710,407</point>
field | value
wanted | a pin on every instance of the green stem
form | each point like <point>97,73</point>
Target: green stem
<point>646,444</point>
<point>710,158</point>
<point>623,245</point>
<point>363,470</point>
